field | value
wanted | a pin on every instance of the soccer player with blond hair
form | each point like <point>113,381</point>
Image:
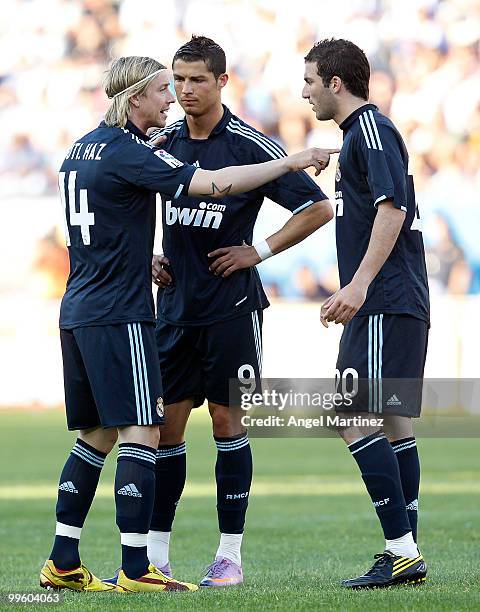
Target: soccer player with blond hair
<point>113,386</point>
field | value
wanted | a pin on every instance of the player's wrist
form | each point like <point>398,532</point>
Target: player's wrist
<point>290,163</point>
<point>361,281</point>
<point>263,250</point>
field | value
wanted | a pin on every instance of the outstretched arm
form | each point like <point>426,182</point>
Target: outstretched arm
<point>238,179</point>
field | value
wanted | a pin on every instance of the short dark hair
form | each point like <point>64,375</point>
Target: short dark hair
<point>342,58</point>
<point>201,48</point>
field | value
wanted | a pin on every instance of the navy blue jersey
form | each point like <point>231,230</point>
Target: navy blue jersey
<point>373,168</point>
<point>107,185</point>
<point>192,227</point>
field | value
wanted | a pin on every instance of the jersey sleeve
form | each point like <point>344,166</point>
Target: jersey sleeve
<point>380,155</point>
<point>294,191</point>
<point>165,173</point>
<point>153,168</point>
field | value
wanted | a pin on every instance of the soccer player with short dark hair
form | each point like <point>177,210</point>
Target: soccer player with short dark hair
<point>210,302</point>
<point>383,301</point>
<point>112,377</point>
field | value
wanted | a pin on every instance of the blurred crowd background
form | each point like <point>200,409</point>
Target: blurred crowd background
<point>426,77</point>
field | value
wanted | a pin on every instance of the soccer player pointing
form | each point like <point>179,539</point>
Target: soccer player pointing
<point>383,301</point>
<point>112,377</point>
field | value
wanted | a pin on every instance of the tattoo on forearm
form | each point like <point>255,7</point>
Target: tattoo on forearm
<point>217,191</point>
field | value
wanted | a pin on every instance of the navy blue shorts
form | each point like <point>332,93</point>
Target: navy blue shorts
<point>197,362</point>
<point>386,354</point>
<point>111,376</point>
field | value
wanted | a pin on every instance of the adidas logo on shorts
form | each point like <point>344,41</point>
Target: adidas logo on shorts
<point>68,486</point>
<point>130,490</point>
<point>394,401</point>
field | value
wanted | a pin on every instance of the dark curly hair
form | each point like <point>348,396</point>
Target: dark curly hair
<point>342,58</point>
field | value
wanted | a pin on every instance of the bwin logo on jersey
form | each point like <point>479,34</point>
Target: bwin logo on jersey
<point>206,215</point>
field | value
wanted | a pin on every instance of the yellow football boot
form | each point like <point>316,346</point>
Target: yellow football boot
<point>152,582</point>
<point>79,579</point>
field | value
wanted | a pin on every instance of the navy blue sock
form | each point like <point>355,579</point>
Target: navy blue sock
<point>233,472</point>
<point>170,476</point>
<point>408,462</point>
<point>78,483</point>
<point>134,495</point>
<point>380,473</point>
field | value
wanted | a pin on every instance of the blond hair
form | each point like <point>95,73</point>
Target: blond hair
<point>127,77</point>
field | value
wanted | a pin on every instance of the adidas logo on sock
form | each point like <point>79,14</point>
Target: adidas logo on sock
<point>68,486</point>
<point>130,490</point>
<point>394,401</point>
<point>413,505</point>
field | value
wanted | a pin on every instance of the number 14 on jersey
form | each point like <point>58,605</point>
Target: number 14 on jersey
<point>84,218</point>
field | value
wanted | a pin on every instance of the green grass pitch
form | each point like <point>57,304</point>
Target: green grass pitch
<point>309,524</point>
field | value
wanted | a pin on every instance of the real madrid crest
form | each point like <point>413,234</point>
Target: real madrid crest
<point>160,407</point>
<point>338,174</point>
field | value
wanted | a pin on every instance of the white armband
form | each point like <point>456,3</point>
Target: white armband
<point>263,250</point>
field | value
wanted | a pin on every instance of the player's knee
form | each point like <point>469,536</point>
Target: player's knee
<point>226,421</point>
<point>148,435</point>
<point>347,435</point>
<point>176,418</point>
<point>101,439</point>
<point>397,427</point>
<point>152,436</point>
<point>171,434</point>
<point>111,437</point>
